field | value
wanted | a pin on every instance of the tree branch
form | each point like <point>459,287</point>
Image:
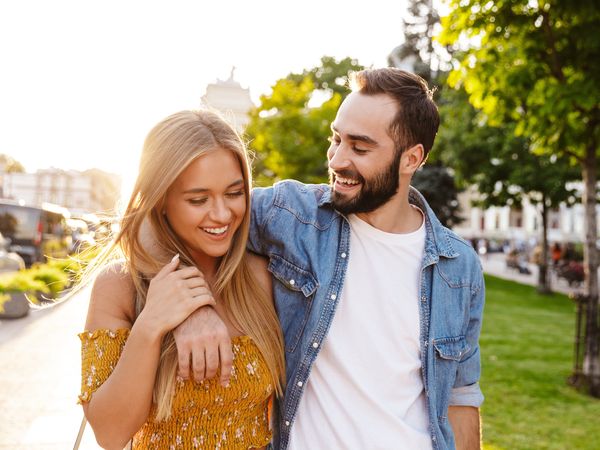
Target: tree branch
<point>555,63</point>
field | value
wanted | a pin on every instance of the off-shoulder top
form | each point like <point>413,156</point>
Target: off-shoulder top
<point>205,415</point>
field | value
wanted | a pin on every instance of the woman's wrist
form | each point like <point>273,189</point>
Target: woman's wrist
<point>148,328</point>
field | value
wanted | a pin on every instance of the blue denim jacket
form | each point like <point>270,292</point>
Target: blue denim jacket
<point>307,243</point>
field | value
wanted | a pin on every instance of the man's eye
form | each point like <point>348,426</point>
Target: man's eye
<point>334,139</point>
<point>360,151</point>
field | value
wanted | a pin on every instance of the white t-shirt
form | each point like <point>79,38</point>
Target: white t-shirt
<point>365,389</point>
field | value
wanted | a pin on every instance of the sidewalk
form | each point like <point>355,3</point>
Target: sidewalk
<point>40,379</point>
<point>495,264</point>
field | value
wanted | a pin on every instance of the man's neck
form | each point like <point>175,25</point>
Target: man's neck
<point>396,216</point>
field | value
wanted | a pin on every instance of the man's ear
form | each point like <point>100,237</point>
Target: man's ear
<point>412,158</point>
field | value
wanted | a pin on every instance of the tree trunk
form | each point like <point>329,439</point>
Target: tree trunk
<point>543,279</point>
<point>591,359</point>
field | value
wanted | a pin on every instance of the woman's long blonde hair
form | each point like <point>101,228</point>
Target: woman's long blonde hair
<point>168,149</point>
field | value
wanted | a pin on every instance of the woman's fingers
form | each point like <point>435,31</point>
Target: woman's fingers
<point>195,282</point>
<point>168,268</point>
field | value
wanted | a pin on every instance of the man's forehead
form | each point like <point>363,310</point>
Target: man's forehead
<point>363,114</point>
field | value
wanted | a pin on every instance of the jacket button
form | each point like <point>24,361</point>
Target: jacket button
<point>292,282</point>
<point>315,344</point>
<point>343,255</point>
<point>299,383</point>
<point>333,297</point>
<point>287,423</point>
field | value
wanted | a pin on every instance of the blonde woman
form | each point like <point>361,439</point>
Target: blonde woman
<point>193,192</point>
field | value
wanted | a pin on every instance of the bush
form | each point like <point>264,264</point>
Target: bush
<point>49,279</point>
<point>55,279</point>
<point>22,281</point>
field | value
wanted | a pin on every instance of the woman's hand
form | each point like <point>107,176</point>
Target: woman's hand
<point>173,295</point>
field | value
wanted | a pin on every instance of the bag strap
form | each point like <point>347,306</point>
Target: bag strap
<point>80,434</point>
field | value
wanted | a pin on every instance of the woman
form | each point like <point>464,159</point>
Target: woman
<point>193,190</point>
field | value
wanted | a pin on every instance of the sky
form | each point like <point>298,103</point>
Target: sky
<point>82,82</point>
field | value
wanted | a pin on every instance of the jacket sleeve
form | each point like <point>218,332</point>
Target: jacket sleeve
<point>261,204</point>
<point>466,390</point>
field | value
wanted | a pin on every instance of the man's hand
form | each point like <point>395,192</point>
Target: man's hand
<point>204,339</point>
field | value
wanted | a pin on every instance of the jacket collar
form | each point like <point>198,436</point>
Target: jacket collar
<point>437,240</point>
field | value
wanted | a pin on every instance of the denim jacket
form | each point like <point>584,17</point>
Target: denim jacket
<point>307,243</point>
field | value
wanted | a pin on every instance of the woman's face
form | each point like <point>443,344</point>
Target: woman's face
<point>206,203</point>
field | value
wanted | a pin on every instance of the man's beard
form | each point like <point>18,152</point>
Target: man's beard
<point>374,192</point>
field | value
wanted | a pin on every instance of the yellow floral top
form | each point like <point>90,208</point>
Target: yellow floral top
<point>205,415</point>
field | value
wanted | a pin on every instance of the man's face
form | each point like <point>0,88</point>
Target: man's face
<point>363,161</point>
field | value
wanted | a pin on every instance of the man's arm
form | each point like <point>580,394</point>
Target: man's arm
<point>202,340</point>
<point>203,344</point>
<point>466,426</point>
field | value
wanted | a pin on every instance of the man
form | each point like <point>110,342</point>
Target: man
<point>380,305</point>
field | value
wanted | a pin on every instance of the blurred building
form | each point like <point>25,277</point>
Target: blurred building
<point>520,222</point>
<point>231,99</point>
<point>92,190</point>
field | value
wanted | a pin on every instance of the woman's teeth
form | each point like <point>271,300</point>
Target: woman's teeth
<point>216,230</point>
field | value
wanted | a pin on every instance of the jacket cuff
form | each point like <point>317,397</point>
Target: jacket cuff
<point>466,396</point>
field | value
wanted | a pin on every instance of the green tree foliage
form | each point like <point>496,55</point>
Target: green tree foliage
<point>502,166</point>
<point>437,185</point>
<point>537,62</point>
<point>287,133</point>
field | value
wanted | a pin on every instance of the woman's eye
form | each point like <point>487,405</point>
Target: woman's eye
<point>235,194</point>
<point>197,201</point>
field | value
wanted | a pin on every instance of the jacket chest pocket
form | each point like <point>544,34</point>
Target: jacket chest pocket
<point>293,292</point>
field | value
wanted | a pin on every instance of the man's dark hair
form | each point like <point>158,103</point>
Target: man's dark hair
<point>417,120</point>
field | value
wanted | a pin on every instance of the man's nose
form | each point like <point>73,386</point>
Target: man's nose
<point>338,157</point>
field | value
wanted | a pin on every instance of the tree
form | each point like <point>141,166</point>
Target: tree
<point>8,164</point>
<point>538,62</point>
<point>502,166</point>
<point>436,183</point>
<point>288,134</point>
<point>420,54</point>
<point>419,49</point>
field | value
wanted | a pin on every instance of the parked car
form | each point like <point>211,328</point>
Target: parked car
<point>81,236</point>
<point>35,233</point>
<point>9,261</point>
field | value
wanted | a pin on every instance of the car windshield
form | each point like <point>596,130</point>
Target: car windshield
<point>18,222</point>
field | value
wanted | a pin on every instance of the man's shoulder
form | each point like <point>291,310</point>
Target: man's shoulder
<point>290,201</point>
<point>466,256</point>
<point>293,194</point>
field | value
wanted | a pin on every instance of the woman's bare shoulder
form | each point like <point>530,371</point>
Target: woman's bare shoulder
<point>112,300</point>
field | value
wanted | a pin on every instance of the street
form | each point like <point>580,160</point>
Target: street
<point>39,379</point>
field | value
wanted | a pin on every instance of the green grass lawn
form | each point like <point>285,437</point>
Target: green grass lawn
<point>527,355</point>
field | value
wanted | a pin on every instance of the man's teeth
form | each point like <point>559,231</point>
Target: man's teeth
<point>346,180</point>
<point>216,230</point>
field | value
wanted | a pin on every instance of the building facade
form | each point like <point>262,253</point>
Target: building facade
<point>90,191</point>
<point>520,223</point>
<point>230,99</point>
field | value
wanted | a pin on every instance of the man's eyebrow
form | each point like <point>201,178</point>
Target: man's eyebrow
<point>357,137</point>
<point>200,190</point>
